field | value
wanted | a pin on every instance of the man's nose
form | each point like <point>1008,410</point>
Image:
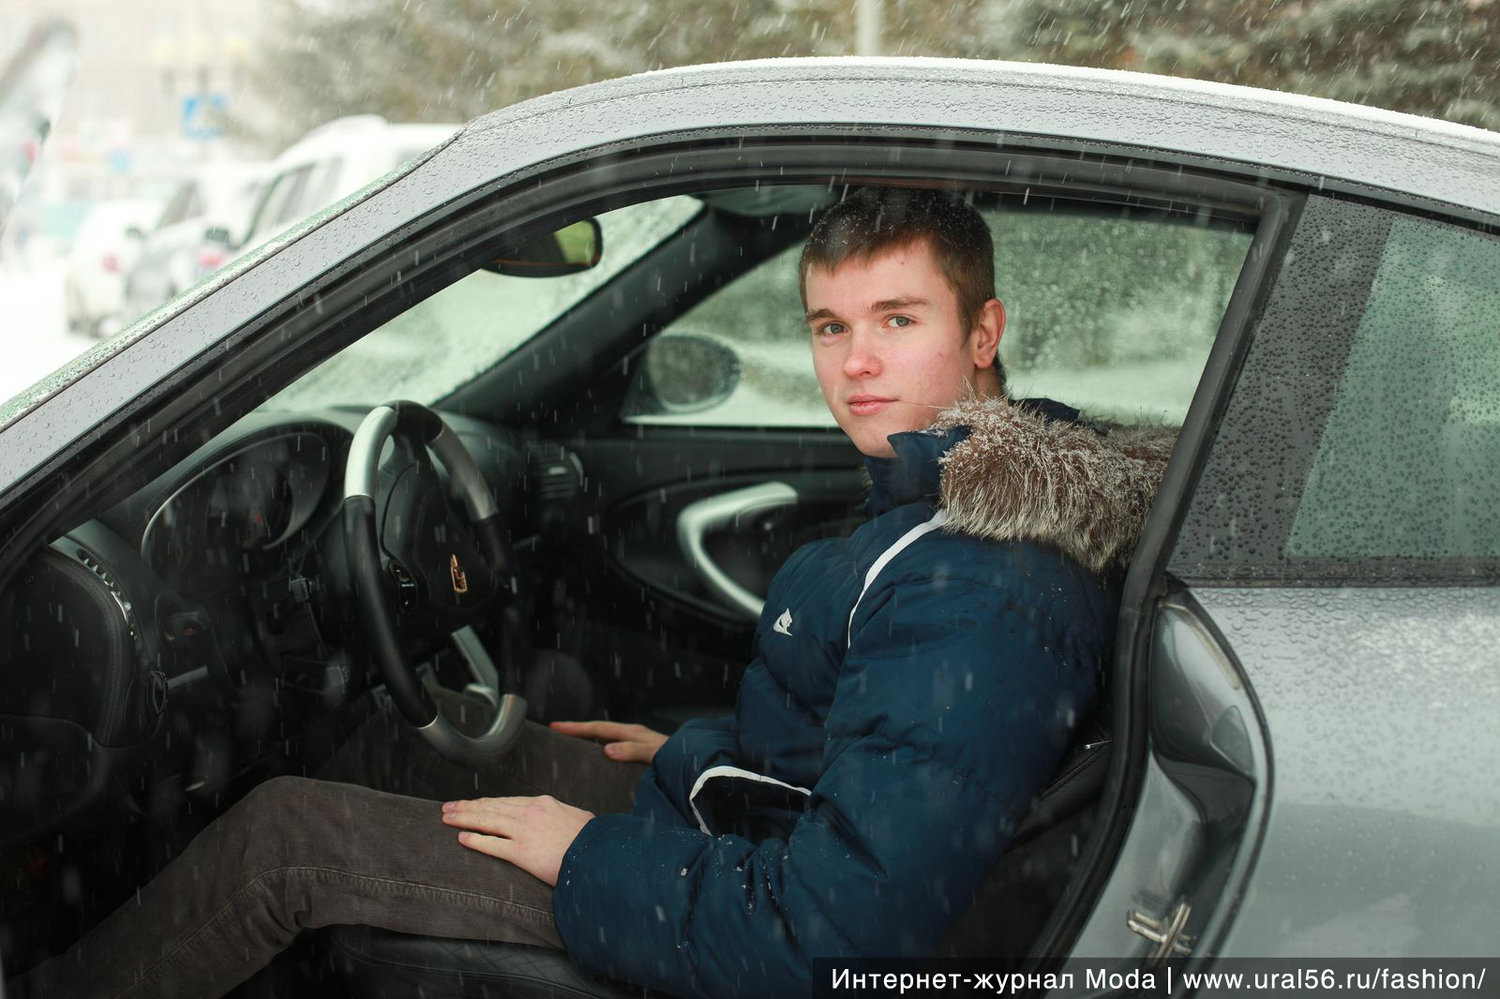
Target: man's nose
<point>863,359</point>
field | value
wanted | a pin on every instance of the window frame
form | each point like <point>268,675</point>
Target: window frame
<point>918,156</point>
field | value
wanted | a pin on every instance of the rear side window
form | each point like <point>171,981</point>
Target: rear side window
<point>1362,441</point>
<point>1409,462</point>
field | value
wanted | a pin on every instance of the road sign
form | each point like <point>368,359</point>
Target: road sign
<point>203,115</point>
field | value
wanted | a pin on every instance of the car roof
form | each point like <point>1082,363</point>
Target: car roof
<point>1316,141</point>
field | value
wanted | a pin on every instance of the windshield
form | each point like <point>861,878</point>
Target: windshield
<point>449,338</point>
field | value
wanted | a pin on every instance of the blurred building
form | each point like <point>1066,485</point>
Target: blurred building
<point>156,83</point>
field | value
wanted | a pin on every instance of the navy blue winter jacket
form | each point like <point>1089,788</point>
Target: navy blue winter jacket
<point>913,687</point>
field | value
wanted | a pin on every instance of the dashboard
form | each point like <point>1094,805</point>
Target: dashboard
<point>188,634</point>
<point>236,516</point>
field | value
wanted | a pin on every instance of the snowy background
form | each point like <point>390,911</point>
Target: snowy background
<point>168,90</point>
<point>36,337</point>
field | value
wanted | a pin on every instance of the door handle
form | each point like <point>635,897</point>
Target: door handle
<point>714,512</point>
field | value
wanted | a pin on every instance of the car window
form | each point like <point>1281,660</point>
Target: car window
<point>1362,439</point>
<point>1112,313</point>
<point>1409,461</point>
<point>322,187</point>
<point>445,340</point>
<point>279,207</point>
<point>289,206</point>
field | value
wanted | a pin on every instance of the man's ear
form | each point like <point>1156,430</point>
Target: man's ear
<point>984,340</point>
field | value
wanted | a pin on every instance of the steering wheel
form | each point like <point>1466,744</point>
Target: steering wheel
<point>446,570</point>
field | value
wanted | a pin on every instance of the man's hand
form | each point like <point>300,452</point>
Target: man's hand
<point>532,833</point>
<point>627,743</point>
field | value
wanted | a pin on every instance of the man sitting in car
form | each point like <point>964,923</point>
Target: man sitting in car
<point>913,688</point>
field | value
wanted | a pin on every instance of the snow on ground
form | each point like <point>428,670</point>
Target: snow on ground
<point>34,337</point>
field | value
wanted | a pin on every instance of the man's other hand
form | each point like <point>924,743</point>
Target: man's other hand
<point>626,743</point>
<point>532,833</point>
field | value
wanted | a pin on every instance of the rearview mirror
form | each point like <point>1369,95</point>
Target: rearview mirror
<point>570,250</point>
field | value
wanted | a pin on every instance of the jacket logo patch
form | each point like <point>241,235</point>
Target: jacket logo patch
<point>784,623</point>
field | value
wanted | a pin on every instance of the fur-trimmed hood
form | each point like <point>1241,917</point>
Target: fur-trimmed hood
<point>1081,487</point>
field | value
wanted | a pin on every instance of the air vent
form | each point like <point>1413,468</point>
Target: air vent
<point>127,610</point>
<point>553,473</point>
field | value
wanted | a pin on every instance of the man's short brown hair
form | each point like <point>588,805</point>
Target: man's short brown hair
<point>875,220</point>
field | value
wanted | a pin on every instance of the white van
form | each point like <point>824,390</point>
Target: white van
<point>205,219</point>
<point>332,161</point>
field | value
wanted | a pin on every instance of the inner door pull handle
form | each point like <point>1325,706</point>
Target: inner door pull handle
<point>725,510</point>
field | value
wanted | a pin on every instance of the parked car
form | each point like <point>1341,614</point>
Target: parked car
<point>206,217</point>
<point>1301,744</point>
<point>103,252</point>
<point>328,163</point>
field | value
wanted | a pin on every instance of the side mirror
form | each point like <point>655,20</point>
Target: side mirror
<point>570,250</point>
<point>682,373</point>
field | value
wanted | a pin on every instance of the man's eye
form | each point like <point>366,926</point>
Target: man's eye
<point>831,329</point>
<point>899,321</point>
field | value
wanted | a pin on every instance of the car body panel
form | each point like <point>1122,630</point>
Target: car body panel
<point>1291,137</point>
<point>1273,658</point>
<point>1380,703</point>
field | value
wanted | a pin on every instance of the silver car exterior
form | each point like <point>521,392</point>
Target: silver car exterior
<point>1344,699</point>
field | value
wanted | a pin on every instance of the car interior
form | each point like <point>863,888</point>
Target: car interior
<point>630,378</point>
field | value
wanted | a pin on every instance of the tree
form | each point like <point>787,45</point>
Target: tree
<point>419,60</point>
<point>411,60</point>
<point>1431,57</point>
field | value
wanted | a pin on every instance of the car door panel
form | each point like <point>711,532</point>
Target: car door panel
<point>670,640</point>
<point>716,546</point>
<point>1362,689</point>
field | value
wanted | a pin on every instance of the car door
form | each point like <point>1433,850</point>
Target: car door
<point>1320,665</point>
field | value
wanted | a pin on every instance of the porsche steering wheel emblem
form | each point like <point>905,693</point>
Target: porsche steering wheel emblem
<point>459,577</point>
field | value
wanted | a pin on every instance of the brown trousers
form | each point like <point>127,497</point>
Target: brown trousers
<point>362,844</point>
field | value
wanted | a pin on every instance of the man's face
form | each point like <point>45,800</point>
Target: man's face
<point>887,344</point>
